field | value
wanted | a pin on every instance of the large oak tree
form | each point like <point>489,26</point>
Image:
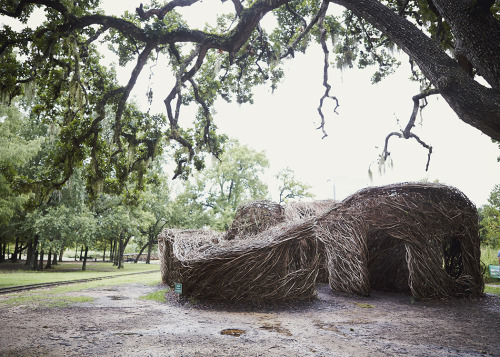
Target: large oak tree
<point>453,45</point>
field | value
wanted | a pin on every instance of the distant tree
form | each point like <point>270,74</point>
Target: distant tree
<point>16,150</point>
<point>490,219</point>
<point>155,200</point>
<point>231,181</point>
<point>65,220</point>
<point>187,209</point>
<point>122,218</point>
<point>290,187</point>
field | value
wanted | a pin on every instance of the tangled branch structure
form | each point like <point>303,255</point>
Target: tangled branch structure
<point>416,237</point>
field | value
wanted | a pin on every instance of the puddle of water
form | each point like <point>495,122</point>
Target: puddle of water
<point>117,297</point>
<point>232,332</point>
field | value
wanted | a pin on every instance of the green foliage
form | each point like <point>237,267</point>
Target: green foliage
<point>489,255</point>
<point>489,216</point>
<point>290,187</point>
<point>93,118</point>
<point>216,193</point>
<point>232,181</point>
<point>17,150</point>
<point>358,42</point>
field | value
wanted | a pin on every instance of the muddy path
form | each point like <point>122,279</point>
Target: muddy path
<point>119,323</point>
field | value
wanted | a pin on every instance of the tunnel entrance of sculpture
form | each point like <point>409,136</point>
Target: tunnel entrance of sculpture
<point>387,264</point>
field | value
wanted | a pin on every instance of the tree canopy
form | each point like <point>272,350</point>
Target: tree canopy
<point>453,45</point>
<point>489,215</point>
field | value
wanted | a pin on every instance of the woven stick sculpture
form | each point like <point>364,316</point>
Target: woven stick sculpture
<point>415,237</point>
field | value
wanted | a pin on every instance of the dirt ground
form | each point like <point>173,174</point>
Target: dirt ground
<point>119,323</point>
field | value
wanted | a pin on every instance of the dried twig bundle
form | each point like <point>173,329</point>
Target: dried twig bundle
<point>416,237</point>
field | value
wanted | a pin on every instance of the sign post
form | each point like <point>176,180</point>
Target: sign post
<point>178,290</point>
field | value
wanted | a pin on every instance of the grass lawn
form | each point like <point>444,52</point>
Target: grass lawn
<point>492,289</point>
<point>14,275</point>
<point>64,295</point>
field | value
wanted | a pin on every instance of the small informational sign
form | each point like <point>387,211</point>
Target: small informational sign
<point>495,271</point>
<point>178,288</point>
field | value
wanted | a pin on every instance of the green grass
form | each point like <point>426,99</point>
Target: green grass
<point>156,295</point>
<point>492,289</point>
<point>42,300</point>
<point>58,296</point>
<point>67,271</point>
<point>489,255</point>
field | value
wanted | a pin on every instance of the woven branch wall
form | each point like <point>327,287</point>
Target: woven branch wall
<point>413,237</point>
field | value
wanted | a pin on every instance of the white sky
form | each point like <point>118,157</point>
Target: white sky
<point>283,125</point>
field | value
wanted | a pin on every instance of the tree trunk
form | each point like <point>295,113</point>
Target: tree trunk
<point>20,250</point>
<point>61,252</point>
<point>104,253</point>
<point>13,258</point>
<point>31,258</point>
<point>115,247</point>
<point>84,265</point>
<point>49,260</point>
<point>40,263</point>
<point>470,21</point>
<point>121,248</point>
<point>35,259</point>
<point>2,251</point>
<point>140,252</point>
<point>150,246</point>
<point>81,253</point>
<point>115,252</point>
<point>29,254</point>
<point>54,259</point>
<point>114,255</point>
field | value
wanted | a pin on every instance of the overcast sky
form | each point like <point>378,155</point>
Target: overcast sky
<point>283,124</point>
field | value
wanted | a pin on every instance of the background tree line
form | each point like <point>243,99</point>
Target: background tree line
<point>70,219</point>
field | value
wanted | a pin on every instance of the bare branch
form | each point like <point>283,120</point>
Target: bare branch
<point>416,102</point>
<point>141,61</point>
<point>406,133</point>
<point>326,64</point>
<point>386,153</point>
<point>206,114</point>
<point>181,77</point>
